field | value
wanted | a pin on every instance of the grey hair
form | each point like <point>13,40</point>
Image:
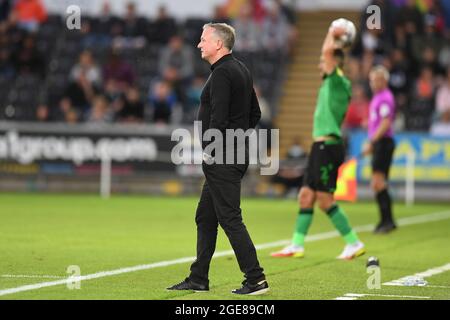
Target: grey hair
<point>225,32</point>
<point>381,70</point>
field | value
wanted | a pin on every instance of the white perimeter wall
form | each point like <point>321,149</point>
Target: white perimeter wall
<point>148,8</point>
<point>331,5</point>
<point>189,8</point>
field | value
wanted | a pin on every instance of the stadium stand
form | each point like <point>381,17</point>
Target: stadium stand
<point>413,44</point>
<point>37,62</point>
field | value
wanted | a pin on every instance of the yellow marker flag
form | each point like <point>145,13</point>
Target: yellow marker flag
<point>346,186</point>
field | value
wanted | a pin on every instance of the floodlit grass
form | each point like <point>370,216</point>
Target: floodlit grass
<point>41,235</point>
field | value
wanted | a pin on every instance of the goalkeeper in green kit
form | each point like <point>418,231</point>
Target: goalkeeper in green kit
<point>327,152</point>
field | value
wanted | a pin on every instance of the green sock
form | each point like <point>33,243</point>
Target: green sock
<point>302,224</point>
<point>340,221</point>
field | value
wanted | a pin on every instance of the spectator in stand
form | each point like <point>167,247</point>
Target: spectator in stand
<point>421,108</point>
<point>43,113</point>
<point>29,14</point>
<point>176,61</point>
<point>100,111</point>
<point>296,151</point>
<point>290,16</point>
<point>411,17</point>
<point>71,116</point>
<point>399,78</point>
<point>77,97</point>
<point>118,70</point>
<point>88,67</point>
<point>132,108</point>
<point>91,38</point>
<point>443,96</point>
<point>105,27</point>
<point>164,27</point>
<point>88,36</point>
<point>430,40</point>
<point>429,59</point>
<point>444,55</point>
<point>7,70</point>
<point>291,172</point>
<point>376,40</point>
<point>220,15</point>
<point>28,59</point>
<point>162,100</point>
<point>13,36</point>
<point>401,39</point>
<point>84,82</point>
<point>258,10</point>
<point>190,109</point>
<point>441,128</point>
<point>132,30</point>
<point>113,93</point>
<point>5,7</point>
<point>436,11</point>
<point>373,41</point>
<point>248,31</point>
<point>358,109</point>
<point>445,6</point>
<point>288,12</point>
<point>275,31</point>
<point>176,66</point>
<point>399,3</point>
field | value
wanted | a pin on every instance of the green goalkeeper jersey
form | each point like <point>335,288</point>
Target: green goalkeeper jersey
<point>332,103</point>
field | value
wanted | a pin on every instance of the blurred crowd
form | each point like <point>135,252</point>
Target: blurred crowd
<point>137,69</point>
<point>414,44</point>
<point>128,68</point>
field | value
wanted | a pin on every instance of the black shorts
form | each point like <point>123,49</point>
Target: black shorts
<point>323,164</point>
<point>382,153</point>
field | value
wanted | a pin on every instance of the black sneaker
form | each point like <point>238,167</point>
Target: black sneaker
<point>252,289</point>
<point>188,284</point>
<point>384,228</point>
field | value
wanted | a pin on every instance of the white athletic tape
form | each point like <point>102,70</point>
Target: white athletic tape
<point>355,296</point>
<point>424,274</point>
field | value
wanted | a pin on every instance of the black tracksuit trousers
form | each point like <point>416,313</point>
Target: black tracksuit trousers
<point>220,204</point>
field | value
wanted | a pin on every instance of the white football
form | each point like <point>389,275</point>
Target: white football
<point>349,36</point>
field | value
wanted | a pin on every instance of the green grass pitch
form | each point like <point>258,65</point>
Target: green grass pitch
<point>41,235</point>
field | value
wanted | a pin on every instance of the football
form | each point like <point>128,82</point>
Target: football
<point>347,39</point>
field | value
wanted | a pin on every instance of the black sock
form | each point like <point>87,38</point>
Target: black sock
<point>385,206</point>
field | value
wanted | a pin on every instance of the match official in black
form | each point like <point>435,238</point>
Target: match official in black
<point>228,101</point>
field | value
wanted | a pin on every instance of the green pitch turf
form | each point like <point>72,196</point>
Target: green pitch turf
<point>41,235</point>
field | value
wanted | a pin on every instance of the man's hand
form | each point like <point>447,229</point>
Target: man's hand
<point>337,31</point>
<point>207,158</point>
<point>367,149</point>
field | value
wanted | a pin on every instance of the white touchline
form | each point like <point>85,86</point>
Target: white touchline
<point>433,286</point>
<point>355,296</point>
<point>424,274</point>
<point>30,276</point>
<point>316,237</point>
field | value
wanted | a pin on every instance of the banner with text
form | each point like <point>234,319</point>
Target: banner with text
<point>432,157</point>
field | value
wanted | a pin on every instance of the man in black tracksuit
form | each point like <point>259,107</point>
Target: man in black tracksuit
<point>228,101</point>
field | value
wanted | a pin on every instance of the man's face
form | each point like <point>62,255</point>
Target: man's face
<point>209,44</point>
<point>377,81</point>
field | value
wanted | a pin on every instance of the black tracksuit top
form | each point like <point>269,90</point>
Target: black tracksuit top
<point>228,100</point>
